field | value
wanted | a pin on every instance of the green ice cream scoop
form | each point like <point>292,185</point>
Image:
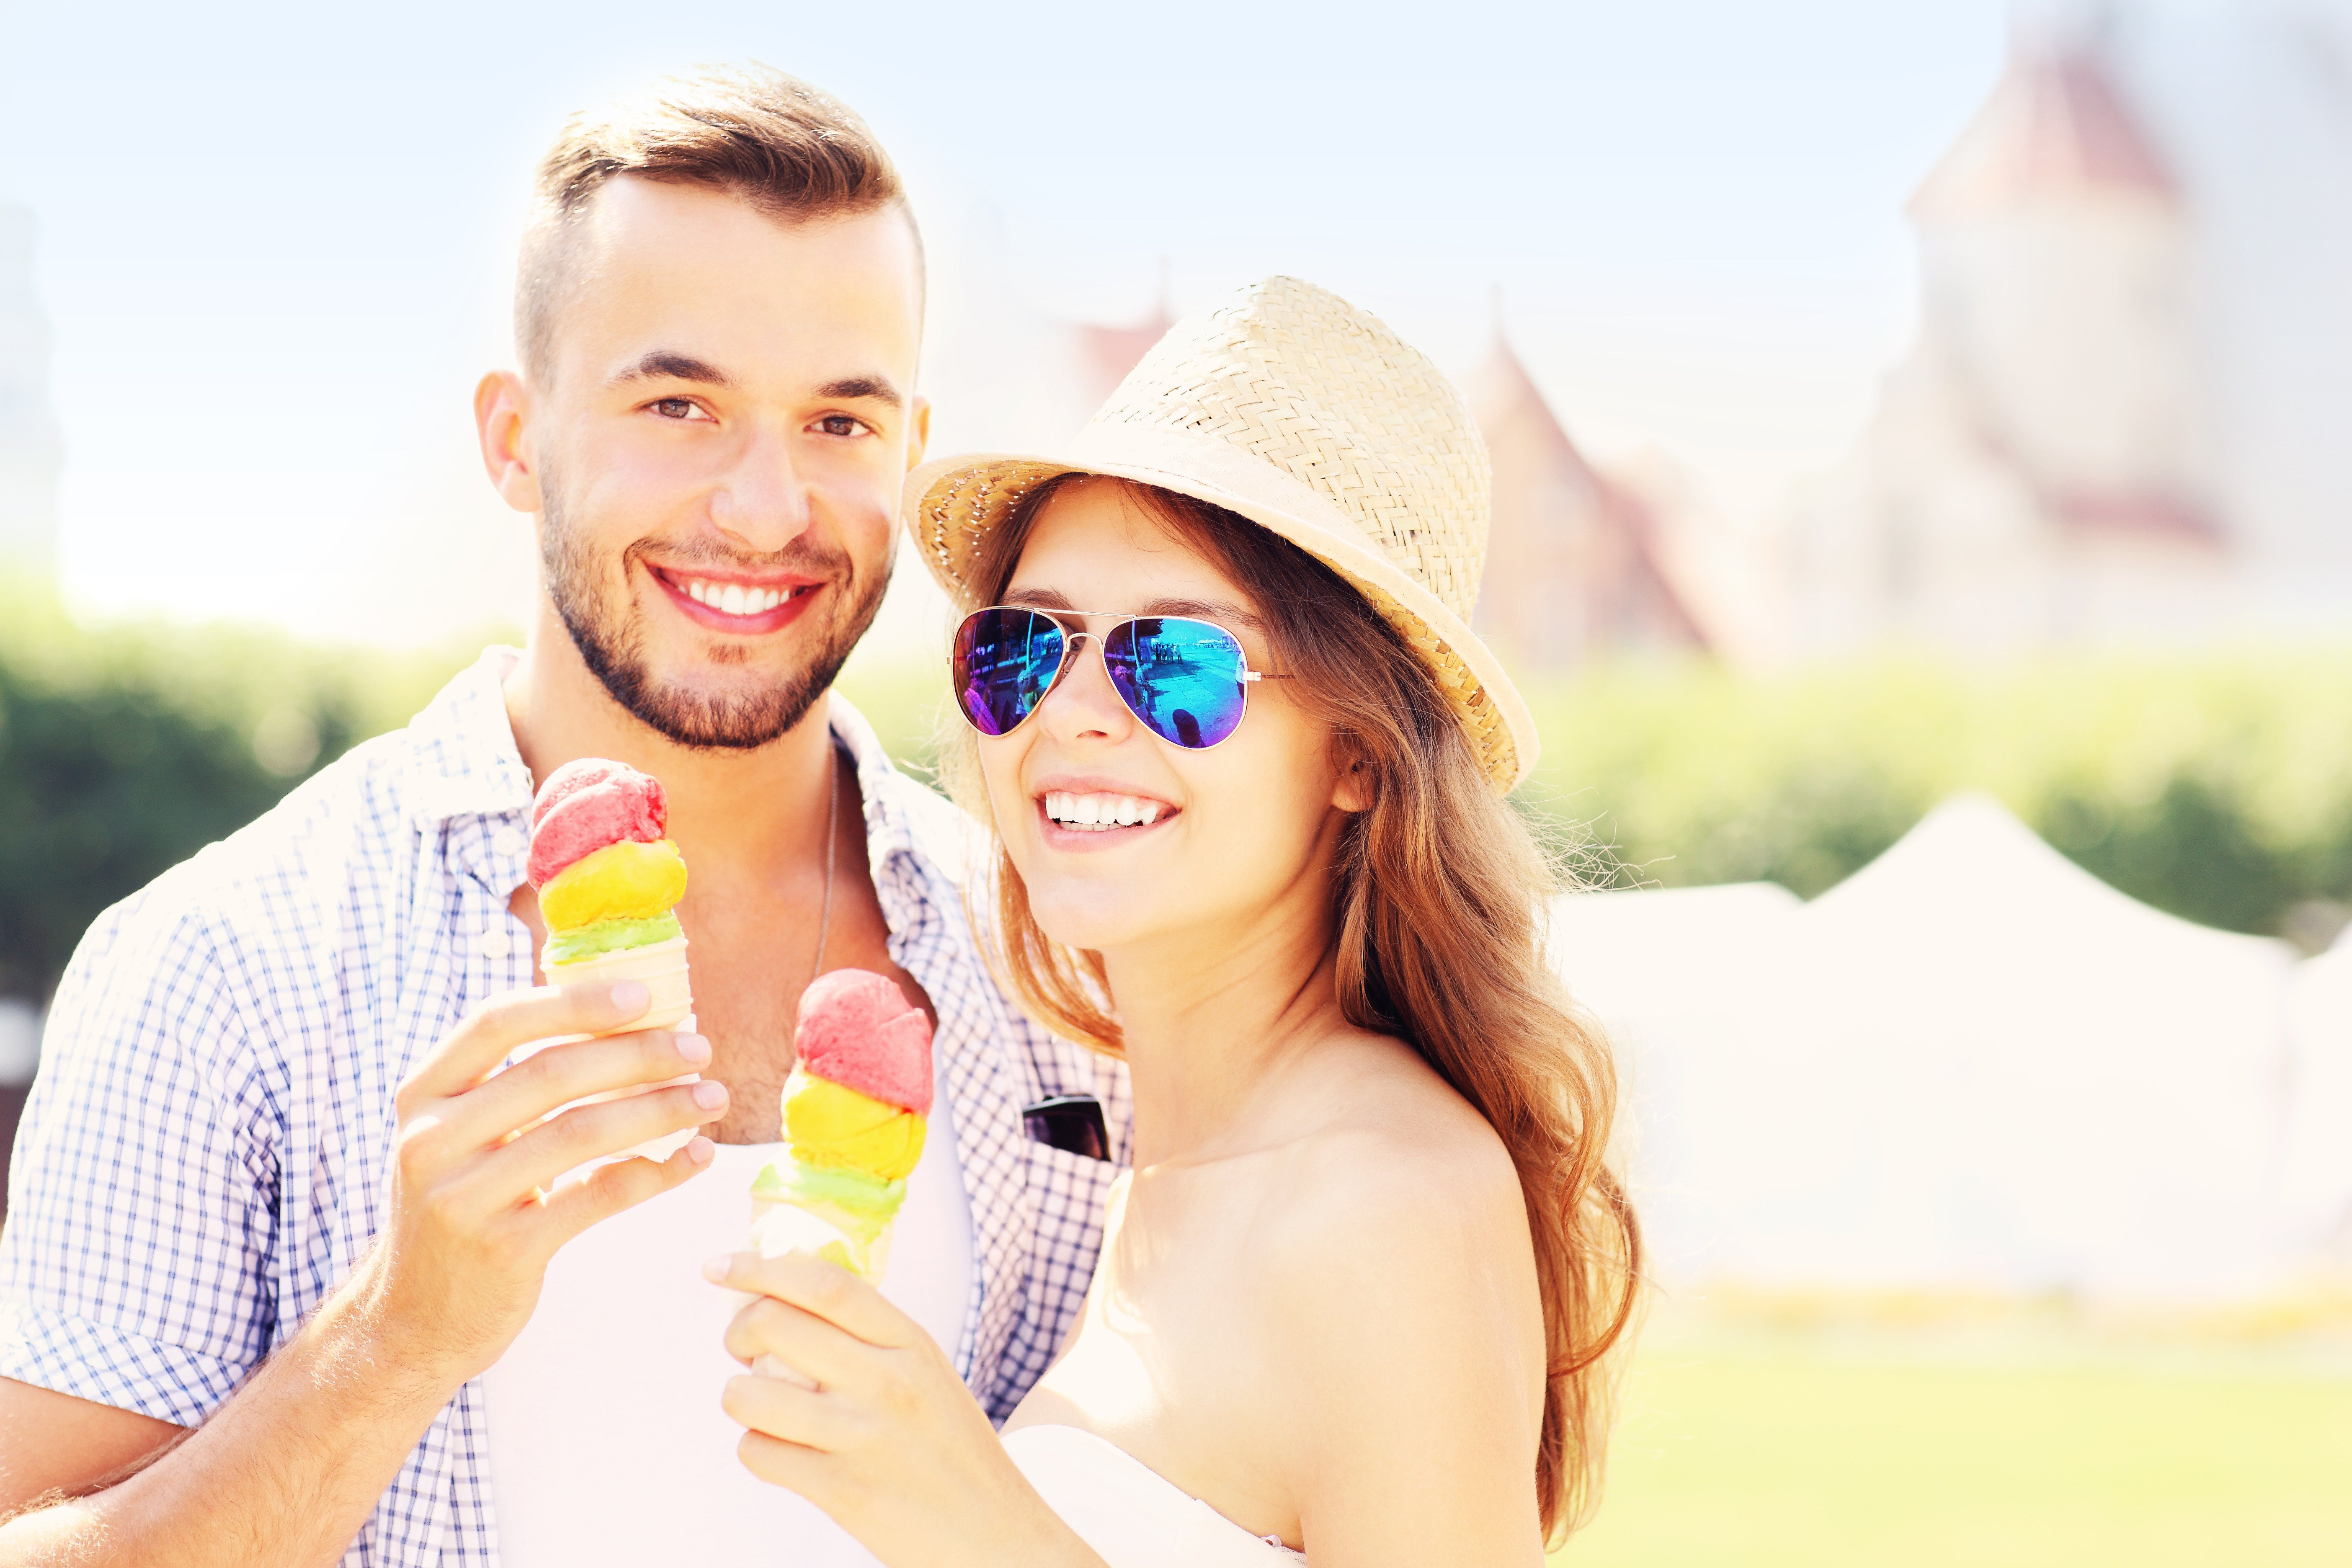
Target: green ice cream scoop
<point>609,936</point>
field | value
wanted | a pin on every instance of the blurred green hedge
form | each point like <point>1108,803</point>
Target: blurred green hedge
<point>125,749</point>
<point>2217,786</point>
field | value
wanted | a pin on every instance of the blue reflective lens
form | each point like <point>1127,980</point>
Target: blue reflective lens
<point>1182,677</point>
<point>1003,664</point>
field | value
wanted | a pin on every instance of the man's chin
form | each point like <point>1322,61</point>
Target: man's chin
<point>726,714</point>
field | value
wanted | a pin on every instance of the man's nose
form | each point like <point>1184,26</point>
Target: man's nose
<point>762,504</point>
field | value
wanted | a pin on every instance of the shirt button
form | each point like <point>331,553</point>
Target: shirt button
<point>507,842</point>
<point>494,943</point>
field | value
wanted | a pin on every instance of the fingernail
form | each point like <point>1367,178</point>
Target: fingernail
<point>694,1048</point>
<point>710,1096</point>
<point>700,1149</point>
<point>631,998</point>
<point>715,1268</point>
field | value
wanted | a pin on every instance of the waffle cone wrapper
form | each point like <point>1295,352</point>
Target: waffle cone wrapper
<point>783,1228</point>
<point>662,969</point>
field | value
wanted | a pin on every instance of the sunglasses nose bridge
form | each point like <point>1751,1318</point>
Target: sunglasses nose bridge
<point>1070,641</point>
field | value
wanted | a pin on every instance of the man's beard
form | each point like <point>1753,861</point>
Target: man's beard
<point>610,640</point>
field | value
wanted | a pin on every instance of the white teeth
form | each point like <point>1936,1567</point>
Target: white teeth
<point>1101,813</point>
<point>733,598</point>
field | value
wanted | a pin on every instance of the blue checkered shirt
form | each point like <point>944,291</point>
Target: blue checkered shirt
<point>203,1154</point>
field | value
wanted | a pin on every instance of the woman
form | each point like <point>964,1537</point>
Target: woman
<point>1246,763</point>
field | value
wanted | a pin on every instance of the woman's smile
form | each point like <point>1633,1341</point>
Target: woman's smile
<point>1099,813</point>
<point>1094,813</point>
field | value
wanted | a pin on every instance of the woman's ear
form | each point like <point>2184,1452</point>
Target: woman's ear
<point>1352,791</point>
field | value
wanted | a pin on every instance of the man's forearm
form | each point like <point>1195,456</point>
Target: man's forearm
<point>282,1476</point>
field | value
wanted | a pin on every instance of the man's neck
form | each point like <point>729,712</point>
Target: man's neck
<point>732,813</point>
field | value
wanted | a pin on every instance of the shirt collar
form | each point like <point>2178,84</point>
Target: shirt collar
<point>464,747</point>
<point>890,828</point>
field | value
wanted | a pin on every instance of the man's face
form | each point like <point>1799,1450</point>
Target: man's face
<point>723,420</point>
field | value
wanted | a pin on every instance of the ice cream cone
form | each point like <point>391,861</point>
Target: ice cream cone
<point>856,1110</point>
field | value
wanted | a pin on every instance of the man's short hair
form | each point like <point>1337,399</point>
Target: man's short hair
<point>791,152</point>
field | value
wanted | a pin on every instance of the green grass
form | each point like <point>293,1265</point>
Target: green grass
<point>1753,1455</point>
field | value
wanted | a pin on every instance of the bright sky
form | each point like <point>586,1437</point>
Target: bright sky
<point>277,240</point>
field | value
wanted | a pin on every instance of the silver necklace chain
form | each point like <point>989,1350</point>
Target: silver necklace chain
<point>832,847</point>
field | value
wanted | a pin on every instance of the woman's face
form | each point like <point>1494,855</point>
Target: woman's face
<point>1239,841</point>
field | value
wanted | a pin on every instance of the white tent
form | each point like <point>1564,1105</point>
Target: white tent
<point>1970,1066</point>
<point>2316,1188</point>
<point>1676,975</point>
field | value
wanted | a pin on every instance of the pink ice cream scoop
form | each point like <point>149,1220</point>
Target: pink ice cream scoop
<point>857,1029</point>
<point>587,804</point>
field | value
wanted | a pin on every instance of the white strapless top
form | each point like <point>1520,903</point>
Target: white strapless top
<point>1130,1514</point>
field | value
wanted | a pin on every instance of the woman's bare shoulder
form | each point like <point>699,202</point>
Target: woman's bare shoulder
<point>1387,1124</point>
<point>1400,1178</point>
<point>1394,1287</point>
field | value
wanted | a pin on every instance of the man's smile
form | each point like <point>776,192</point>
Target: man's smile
<point>745,604</point>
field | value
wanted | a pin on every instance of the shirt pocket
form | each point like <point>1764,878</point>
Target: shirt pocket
<point>1068,1195</point>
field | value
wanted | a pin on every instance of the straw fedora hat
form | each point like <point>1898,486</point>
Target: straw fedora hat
<point>1287,405</point>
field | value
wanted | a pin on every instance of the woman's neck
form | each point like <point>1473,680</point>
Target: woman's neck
<point>1209,1022</point>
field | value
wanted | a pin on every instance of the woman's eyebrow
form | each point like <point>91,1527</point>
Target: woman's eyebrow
<point>1218,610</point>
<point>1033,599</point>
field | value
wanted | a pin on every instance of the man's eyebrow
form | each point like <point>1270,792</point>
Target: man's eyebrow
<point>665,365</point>
<point>851,388</point>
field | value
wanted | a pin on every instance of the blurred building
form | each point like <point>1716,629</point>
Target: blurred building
<point>1103,355</point>
<point>2125,413</point>
<point>1576,563</point>
<point>32,453</point>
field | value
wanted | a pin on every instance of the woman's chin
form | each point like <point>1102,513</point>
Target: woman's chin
<point>1090,923</point>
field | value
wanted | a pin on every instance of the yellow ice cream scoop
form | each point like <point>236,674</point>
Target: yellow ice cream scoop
<point>831,1124</point>
<point>623,881</point>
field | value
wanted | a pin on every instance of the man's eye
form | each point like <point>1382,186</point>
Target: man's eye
<point>840,424</point>
<point>674,408</point>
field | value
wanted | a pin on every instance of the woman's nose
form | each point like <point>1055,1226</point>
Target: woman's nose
<point>1084,704</point>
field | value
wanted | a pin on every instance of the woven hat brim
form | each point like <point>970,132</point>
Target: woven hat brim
<point>950,505</point>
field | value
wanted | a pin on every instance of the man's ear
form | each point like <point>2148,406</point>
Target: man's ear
<point>1353,790</point>
<point>501,420</point>
<point>918,430</point>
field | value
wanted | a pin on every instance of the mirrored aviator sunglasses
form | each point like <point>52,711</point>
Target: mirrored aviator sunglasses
<point>1187,680</point>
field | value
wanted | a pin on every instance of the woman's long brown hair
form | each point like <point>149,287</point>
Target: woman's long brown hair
<point>1439,891</point>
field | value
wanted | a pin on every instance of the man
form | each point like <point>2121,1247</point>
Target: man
<point>279,1211</point>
